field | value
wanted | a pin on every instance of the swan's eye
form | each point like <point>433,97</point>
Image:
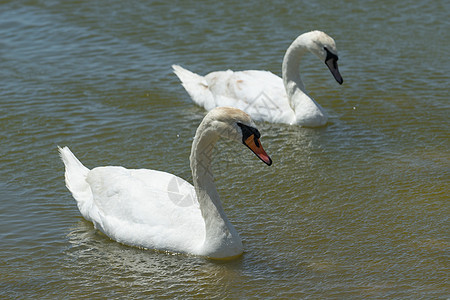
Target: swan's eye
<point>248,131</point>
<point>250,138</point>
<point>330,55</point>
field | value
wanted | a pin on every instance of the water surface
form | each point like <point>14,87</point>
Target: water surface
<point>356,209</point>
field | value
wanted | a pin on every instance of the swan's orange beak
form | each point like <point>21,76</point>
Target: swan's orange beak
<point>255,145</point>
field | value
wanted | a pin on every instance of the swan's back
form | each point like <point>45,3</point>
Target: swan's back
<point>137,207</point>
<point>152,209</point>
<point>261,94</point>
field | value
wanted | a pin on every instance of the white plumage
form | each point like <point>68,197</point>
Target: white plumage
<point>262,94</point>
<point>158,210</point>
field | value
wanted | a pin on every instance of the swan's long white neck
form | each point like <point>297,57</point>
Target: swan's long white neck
<point>307,111</point>
<point>221,239</point>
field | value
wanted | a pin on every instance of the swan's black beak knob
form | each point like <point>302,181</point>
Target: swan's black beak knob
<point>253,143</point>
<point>250,138</point>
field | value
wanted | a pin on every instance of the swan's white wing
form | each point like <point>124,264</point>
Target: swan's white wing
<point>261,94</point>
<point>146,208</point>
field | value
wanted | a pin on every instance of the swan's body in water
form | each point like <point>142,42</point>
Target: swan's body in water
<point>263,95</point>
<point>158,210</point>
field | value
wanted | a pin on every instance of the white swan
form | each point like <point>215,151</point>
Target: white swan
<point>263,95</point>
<point>158,210</point>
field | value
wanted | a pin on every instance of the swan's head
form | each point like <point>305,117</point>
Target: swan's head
<point>234,124</point>
<point>324,47</point>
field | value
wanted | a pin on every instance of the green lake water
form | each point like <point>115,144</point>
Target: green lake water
<point>358,209</point>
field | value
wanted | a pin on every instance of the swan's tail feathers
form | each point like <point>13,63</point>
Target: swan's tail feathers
<point>75,176</point>
<point>196,86</point>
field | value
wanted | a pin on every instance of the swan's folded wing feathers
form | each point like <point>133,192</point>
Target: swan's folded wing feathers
<point>137,206</point>
<point>132,194</point>
<point>259,93</point>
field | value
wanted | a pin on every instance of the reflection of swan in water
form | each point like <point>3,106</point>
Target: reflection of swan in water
<point>263,95</point>
<point>91,249</point>
<point>151,209</point>
<point>91,252</point>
